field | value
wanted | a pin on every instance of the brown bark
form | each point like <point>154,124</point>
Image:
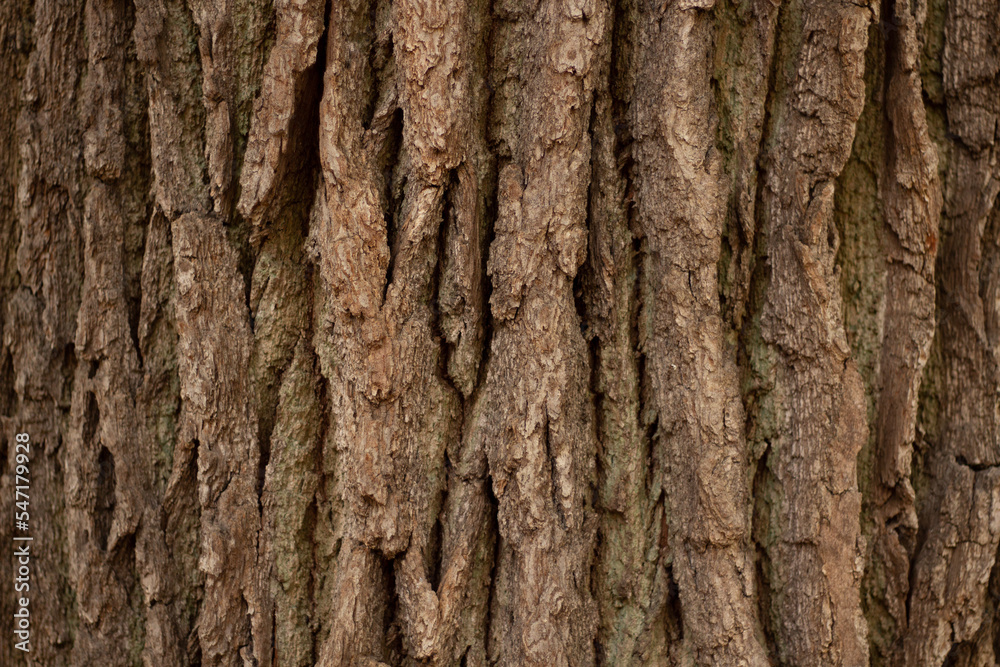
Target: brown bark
<point>813,543</point>
<point>513,332</point>
<point>692,368</point>
<point>959,547</point>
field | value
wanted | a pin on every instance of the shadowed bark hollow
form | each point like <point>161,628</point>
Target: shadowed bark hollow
<point>553,333</point>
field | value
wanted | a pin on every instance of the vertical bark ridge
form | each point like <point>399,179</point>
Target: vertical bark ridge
<point>279,175</point>
<point>539,438</point>
<point>286,384</point>
<point>114,525</point>
<point>215,57</point>
<point>285,84</point>
<point>396,413</point>
<point>660,631</point>
<point>467,558</point>
<point>173,475</point>
<point>218,414</point>
<point>981,648</point>
<point>288,510</point>
<point>14,51</point>
<point>911,202</point>
<point>627,531</point>
<point>952,568</point>
<point>746,35</point>
<point>742,72</point>
<point>348,230</point>
<point>860,215</point>
<point>692,368</point>
<point>218,426</point>
<point>41,307</point>
<point>467,540</point>
<point>163,38</point>
<point>436,42</point>
<point>461,290</point>
<point>117,540</point>
<point>814,407</point>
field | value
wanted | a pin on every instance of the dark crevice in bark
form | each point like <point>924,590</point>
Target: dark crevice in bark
<point>8,398</point>
<point>578,301</point>
<point>491,603</point>
<point>68,367</point>
<point>134,306</point>
<point>753,384</point>
<point>264,443</point>
<point>238,232</point>
<point>288,218</point>
<point>392,636</point>
<point>197,120</point>
<point>105,503</point>
<point>321,504</point>
<point>132,269</point>
<point>553,485</point>
<point>891,48</point>
<point>92,417</point>
<point>650,425</point>
<point>247,646</point>
<point>274,634</point>
<point>754,388</point>
<point>447,349</point>
<point>760,484</point>
<point>952,659</point>
<point>135,186</point>
<point>993,605</point>
<point>393,196</point>
<point>181,518</point>
<point>648,422</point>
<point>621,66</point>
<point>919,539</point>
<point>491,214</point>
<point>672,605</point>
<point>434,546</point>
<point>598,399</point>
<point>975,467</point>
<point>581,278</point>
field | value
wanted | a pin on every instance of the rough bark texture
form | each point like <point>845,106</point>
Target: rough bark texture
<point>503,332</point>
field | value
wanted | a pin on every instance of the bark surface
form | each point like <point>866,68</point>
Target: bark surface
<point>386,333</point>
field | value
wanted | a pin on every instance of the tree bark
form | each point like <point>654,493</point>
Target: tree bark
<point>502,332</point>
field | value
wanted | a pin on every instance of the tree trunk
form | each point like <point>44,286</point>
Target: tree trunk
<point>501,332</point>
